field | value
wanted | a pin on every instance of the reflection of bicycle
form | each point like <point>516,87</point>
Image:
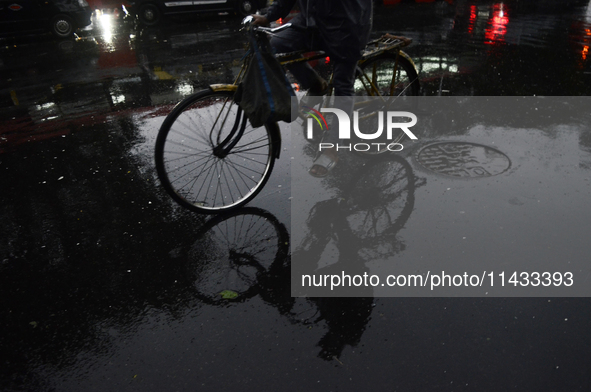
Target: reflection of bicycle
<point>246,253</point>
<point>243,254</point>
<point>208,156</point>
<point>359,225</point>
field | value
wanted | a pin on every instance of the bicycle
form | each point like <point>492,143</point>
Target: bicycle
<point>210,159</point>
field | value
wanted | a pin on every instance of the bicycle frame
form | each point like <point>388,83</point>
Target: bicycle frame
<point>374,48</point>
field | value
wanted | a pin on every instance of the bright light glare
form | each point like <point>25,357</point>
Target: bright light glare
<point>105,21</point>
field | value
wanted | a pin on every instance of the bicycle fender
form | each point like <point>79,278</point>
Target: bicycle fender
<point>406,56</point>
<point>275,133</point>
<point>223,87</point>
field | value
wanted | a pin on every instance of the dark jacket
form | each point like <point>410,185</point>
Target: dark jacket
<point>343,25</point>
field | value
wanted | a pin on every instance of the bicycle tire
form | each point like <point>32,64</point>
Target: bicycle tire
<point>404,83</point>
<point>233,252</point>
<point>394,76</point>
<point>189,170</point>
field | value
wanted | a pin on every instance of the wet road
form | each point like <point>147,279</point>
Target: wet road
<point>102,276</point>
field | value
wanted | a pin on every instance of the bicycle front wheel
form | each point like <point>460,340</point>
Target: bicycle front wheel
<point>208,156</point>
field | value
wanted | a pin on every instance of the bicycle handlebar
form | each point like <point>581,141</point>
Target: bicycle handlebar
<point>274,29</point>
<point>247,22</point>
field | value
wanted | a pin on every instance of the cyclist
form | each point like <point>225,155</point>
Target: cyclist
<point>339,28</point>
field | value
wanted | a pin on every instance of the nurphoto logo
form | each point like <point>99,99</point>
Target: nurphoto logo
<point>391,119</point>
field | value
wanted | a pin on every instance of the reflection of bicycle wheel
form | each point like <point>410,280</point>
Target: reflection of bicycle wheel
<point>204,163</point>
<point>233,251</point>
<point>380,202</point>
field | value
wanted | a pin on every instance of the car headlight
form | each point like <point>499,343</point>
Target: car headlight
<point>82,3</point>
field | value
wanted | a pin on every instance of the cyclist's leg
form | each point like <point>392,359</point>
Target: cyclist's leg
<point>293,40</point>
<point>343,82</point>
<point>344,79</point>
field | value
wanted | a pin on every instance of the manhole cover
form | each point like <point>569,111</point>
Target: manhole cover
<point>461,159</point>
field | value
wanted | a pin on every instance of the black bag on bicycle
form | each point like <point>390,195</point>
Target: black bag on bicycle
<point>264,92</point>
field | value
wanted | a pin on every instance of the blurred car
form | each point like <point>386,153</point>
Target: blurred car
<point>61,17</point>
<point>150,12</point>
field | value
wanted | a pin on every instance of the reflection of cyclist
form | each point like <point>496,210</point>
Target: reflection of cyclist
<point>346,319</point>
<point>328,228</point>
<point>342,234</point>
<point>341,29</point>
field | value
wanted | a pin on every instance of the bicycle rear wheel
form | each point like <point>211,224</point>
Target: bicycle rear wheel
<point>392,74</point>
<point>393,77</point>
<point>208,156</point>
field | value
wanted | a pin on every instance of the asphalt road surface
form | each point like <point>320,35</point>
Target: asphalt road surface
<point>102,274</point>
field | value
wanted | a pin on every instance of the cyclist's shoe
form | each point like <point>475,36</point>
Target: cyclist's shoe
<point>324,164</point>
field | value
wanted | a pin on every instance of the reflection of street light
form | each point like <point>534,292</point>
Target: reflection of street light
<point>580,38</point>
<point>473,15</point>
<point>498,25</point>
<point>184,88</point>
<point>106,23</point>
<point>585,50</point>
